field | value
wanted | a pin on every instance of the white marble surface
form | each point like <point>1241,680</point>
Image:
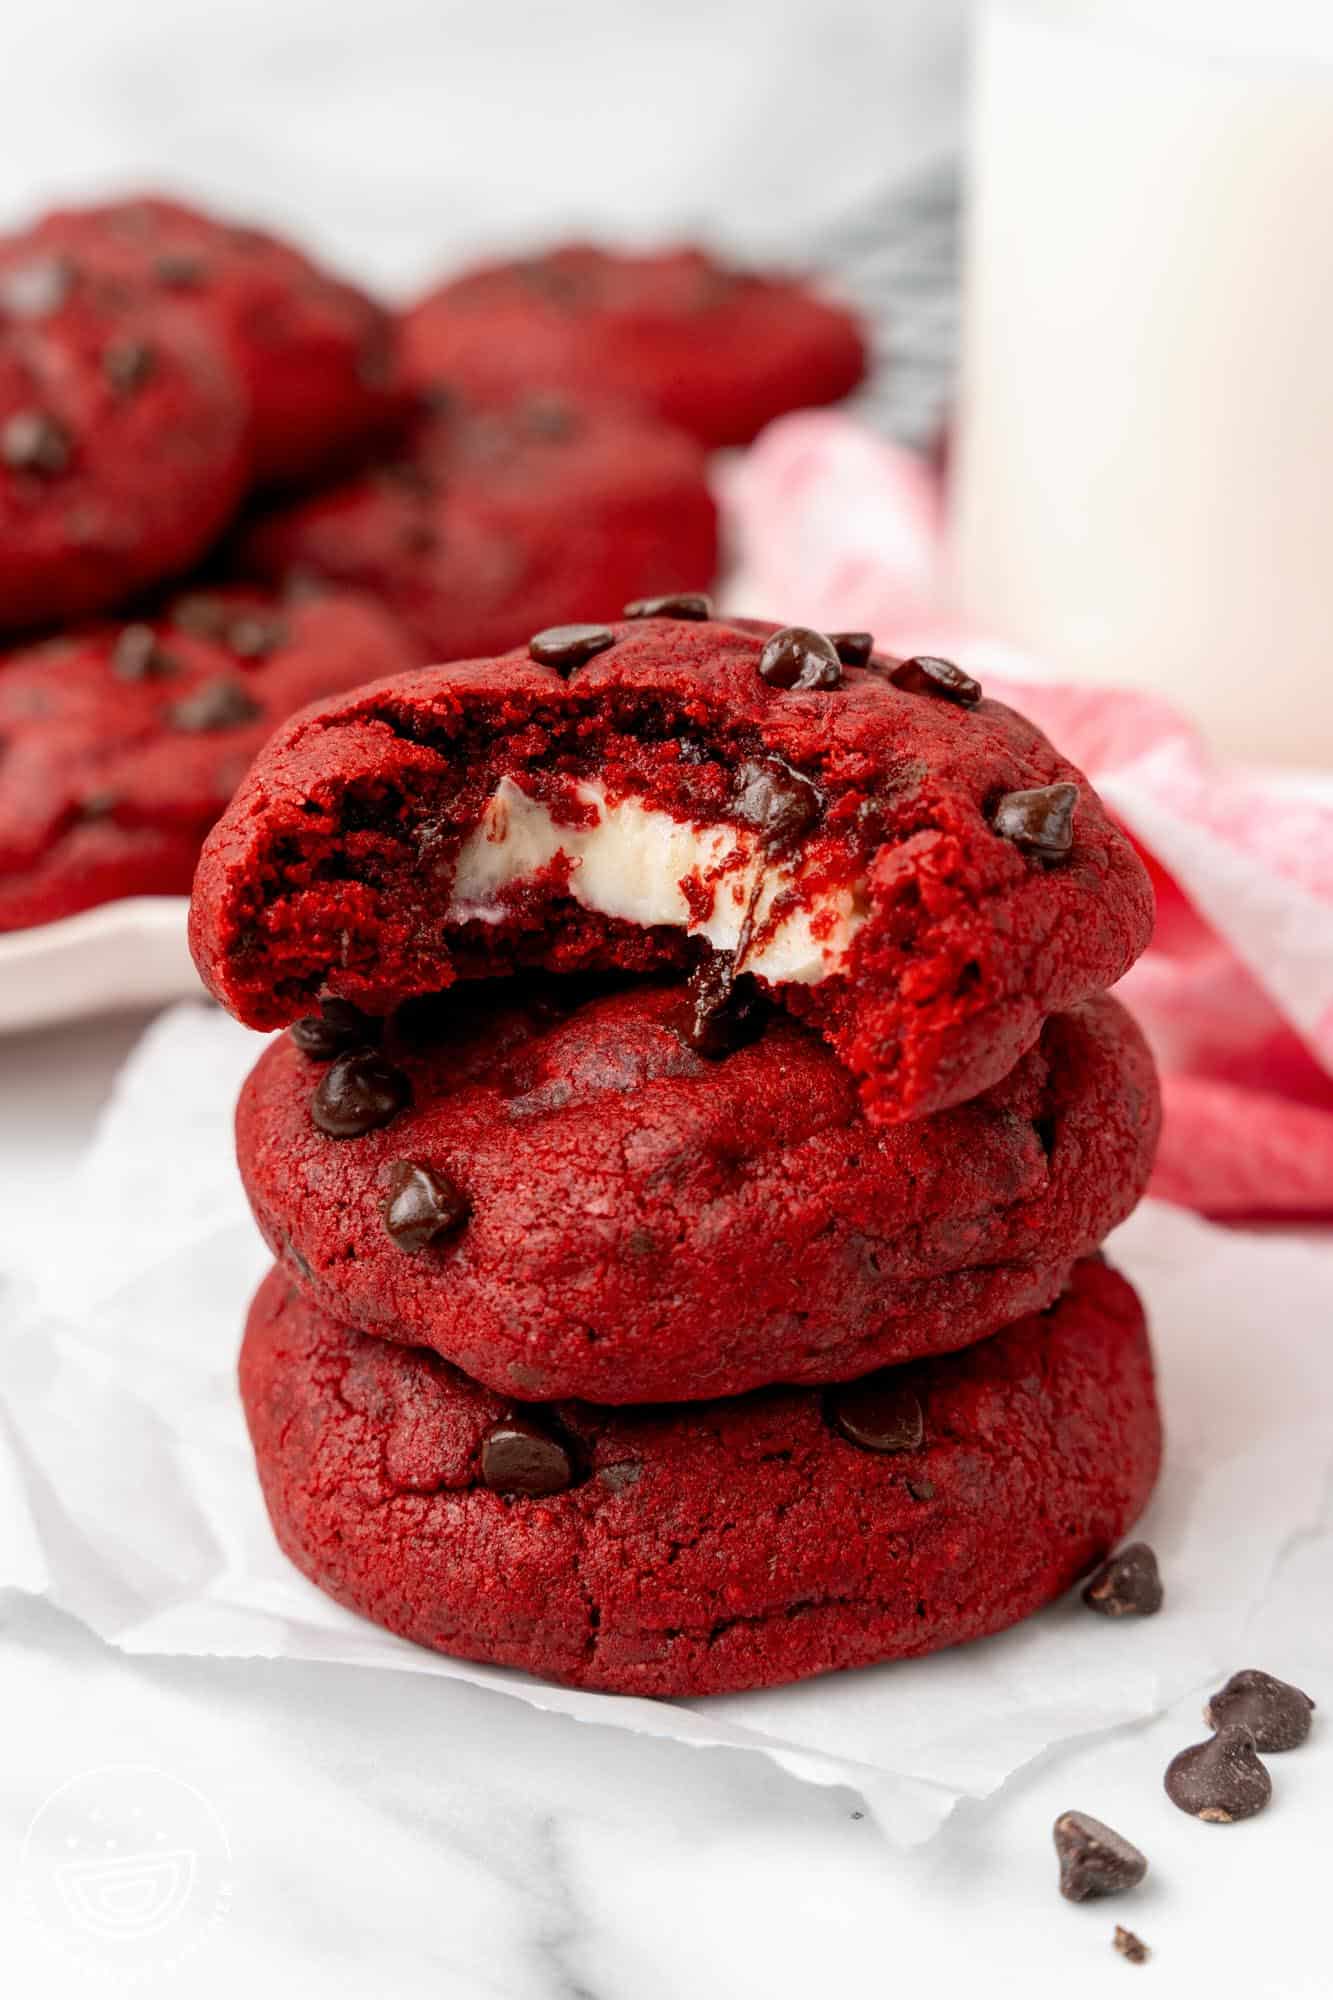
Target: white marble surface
<point>397,1834</point>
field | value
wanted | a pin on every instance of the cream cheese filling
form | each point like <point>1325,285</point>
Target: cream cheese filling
<point>632,861</point>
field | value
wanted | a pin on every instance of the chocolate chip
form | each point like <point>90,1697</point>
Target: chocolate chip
<point>777,801</point>
<point>33,442</point>
<point>137,656</point>
<point>422,1205</point>
<point>179,270</point>
<point>1221,1780</point>
<point>37,289</point>
<point>1094,1859</point>
<point>923,674</point>
<point>252,636</point>
<point>568,646</point>
<point>1130,1947</point>
<point>921,1489</point>
<point>1127,1585</point>
<point>724,1009</point>
<point>519,1456</point>
<point>796,657</point>
<point>1042,820</point>
<point>127,365</point>
<point>686,604</point>
<point>219,704</point>
<point>357,1094</point>
<point>853,648</point>
<point>878,1413</point>
<point>1276,1714</point>
<point>338,1027</point>
<point>202,616</point>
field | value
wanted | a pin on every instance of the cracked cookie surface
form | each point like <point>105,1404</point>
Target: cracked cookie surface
<point>633,1221</point>
<point>717,1546</point>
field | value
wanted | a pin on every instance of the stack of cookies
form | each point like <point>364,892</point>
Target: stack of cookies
<point>686,1161</point>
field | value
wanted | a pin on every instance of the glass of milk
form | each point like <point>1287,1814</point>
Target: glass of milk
<point>1145,453</point>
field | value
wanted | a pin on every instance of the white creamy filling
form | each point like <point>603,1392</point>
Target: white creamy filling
<point>631,861</point>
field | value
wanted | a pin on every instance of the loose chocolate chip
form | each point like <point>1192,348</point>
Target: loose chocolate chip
<point>179,270</point>
<point>1094,1859</point>
<point>686,604</point>
<point>37,289</point>
<point>337,1028</point>
<point>253,636</point>
<point>219,704</point>
<point>127,365</point>
<point>357,1094</point>
<point>137,656</point>
<point>1042,820</point>
<point>33,442</point>
<point>1276,1714</point>
<point>518,1456</point>
<point>568,646</point>
<point>724,1009</point>
<point>777,801</point>
<point>853,648</point>
<point>923,674</point>
<point>202,616</point>
<point>1130,1947</point>
<point>1127,1585</point>
<point>796,657</point>
<point>1221,1780</point>
<point>422,1205</point>
<point>878,1413</point>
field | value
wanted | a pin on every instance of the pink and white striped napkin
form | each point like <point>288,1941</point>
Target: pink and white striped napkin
<point>833,527</point>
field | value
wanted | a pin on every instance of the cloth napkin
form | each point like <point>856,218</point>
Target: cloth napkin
<point>836,528</point>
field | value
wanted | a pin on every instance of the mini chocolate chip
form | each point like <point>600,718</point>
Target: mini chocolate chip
<point>1276,1714</point>
<point>691,604</point>
<point>796,657</point>
<point>1130,1947</point>
<point>337,1028</point>
<point>1094,1859</point>
<point>137,656</point>
<point>921,1489</point>
<point>549,417</point>
<point>422,1205</point>
<point>1042,820</point>
<point>853,648</point>
<point>127,364</point>
<point>923,674</point>
<point>724,1009</point>
<point>568,646</point>
<point>1221,1780</point>
<point>202,616</point>
<point>37,289</point>
<point>1127,1585</point>
<point>179,269</point>
<point>357,1094</point>
<point>519,1456</point>
<point>252,636</point>
<point>878,1413</point>
<point>33,442</point>
<point>219,704</point>
<point>777,801</point>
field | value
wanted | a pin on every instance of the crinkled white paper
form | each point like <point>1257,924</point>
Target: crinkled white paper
<point>128,1497</point>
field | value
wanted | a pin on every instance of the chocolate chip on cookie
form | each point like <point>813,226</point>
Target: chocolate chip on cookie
<point>690,604</point>
<point>796,657</point>
<point>878,1413</point>
<point>357,1094</point>
<point>518,1456</point>
<point>853,648</point>
<point>924,674</point>
<point>422,1205</point>
<point>565,647</point>
<point>1041,821</point>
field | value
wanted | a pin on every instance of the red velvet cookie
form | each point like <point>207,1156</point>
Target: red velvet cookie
<point>579,1203</point>
<point>122,451</point>
<point>716,1546</point>
<point>497,522</point>
<point>912,869</point>
<point>123,742</point>
<point>719,352</point>
<point>317,356</point>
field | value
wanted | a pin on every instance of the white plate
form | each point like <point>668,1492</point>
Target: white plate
<point>127,954</point>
